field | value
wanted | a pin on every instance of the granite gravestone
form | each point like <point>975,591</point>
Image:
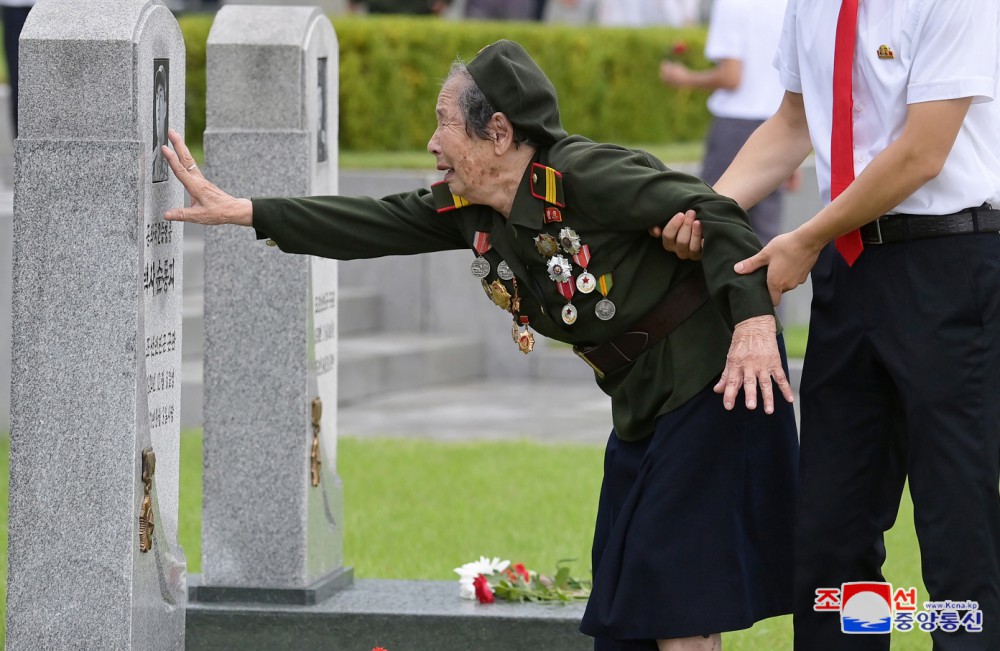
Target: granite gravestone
<point>272,505</point>
<point>97,314</point>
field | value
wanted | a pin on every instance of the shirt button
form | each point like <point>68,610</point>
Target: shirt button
<point>270,242</point>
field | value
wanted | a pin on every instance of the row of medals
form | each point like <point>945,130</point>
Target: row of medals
<point>560,271</point>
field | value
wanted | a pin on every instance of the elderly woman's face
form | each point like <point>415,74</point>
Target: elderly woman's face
<point>469,162</point>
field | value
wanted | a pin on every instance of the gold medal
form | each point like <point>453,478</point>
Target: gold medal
<point>546,245</point>
<point>500,295</point>
<point>525,341</point>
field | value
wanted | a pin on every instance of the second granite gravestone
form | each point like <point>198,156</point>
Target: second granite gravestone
<point>272,506</point>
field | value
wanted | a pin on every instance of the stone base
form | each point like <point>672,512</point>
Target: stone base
<point>397,615</point>
<point>320,590</point>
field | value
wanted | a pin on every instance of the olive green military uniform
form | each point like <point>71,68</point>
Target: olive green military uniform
<point>611,196</point>
<point>694,523</point>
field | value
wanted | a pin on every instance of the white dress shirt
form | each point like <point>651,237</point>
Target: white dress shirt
<point>940,50</point>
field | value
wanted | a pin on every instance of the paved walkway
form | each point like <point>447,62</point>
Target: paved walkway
<point>492,410</point>
<point>489,410</point>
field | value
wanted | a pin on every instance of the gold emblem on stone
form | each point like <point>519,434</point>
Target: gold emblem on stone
<point>546,245</point>
<point>315,462</point>
<point>146,524</point>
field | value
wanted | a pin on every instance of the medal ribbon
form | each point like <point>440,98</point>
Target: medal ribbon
<point>567,289</point>
<point>583,257</point>
<point>604,284</point>
<point>481,242</point>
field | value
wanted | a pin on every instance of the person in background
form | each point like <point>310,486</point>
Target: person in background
<point>13,13</point>
<point>742,39</point>
<point>502,9</point>
<point>643,13</point>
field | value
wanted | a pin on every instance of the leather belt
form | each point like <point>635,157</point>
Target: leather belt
<point>902,228</point>
<point>680,302</point>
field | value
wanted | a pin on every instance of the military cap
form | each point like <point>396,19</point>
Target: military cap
<point>515,86</point>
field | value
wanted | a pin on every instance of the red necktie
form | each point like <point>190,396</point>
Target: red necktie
<point>842,136</point>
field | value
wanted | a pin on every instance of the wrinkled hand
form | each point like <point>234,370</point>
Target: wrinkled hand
<point>681,236</point>
<point>753,360</point>
<point>788,261</point>
<point>209,204</point>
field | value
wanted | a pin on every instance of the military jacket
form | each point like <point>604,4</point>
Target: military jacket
<point>609,196</point>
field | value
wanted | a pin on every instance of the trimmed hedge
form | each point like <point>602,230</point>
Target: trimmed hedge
<point>391,70</point>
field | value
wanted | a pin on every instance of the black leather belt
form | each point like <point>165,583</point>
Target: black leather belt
<point>902,228</point>
<point>681,302</point>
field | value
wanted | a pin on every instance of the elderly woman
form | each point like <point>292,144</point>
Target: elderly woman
<point>694,526</point>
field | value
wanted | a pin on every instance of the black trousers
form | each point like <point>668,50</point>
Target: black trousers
<point>902,381</point>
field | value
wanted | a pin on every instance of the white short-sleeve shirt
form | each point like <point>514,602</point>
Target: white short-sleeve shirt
<point>933,50</point>
<point>747,30</point>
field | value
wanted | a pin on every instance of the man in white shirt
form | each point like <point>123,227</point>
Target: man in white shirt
<point>903,363</point>
<point>742,38</point>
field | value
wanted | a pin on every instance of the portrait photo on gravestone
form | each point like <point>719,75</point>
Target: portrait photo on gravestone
<point>161,116</point>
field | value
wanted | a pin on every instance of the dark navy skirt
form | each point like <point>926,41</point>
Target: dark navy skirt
<point>694,526</point>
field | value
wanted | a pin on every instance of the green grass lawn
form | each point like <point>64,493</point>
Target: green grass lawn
<point>417,509</point>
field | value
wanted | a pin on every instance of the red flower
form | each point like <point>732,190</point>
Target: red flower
<point>483,591</point>
<point>378,648</point>
<point>523,571</point>
<point>680,49</point>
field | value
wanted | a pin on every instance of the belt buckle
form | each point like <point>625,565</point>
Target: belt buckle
<point>878,233</point>
<point>579,353</point>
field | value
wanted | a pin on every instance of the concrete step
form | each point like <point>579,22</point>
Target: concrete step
<point>413,615</point>
<point>360,311</point>
<point>371,366</point>
<point>381,363</point>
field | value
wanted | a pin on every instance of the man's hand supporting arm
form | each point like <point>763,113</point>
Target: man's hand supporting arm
<point>912,160</point>
<point>770,156</point>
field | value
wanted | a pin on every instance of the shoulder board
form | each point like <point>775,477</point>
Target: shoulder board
<point>546,184</point>
<point>445,200</point>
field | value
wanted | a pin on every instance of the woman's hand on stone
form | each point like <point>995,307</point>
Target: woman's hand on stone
<point>209,205</point>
